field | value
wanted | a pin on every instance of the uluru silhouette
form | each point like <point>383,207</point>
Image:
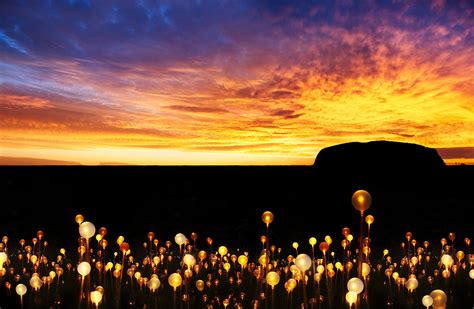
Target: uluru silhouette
<point>379,157</point>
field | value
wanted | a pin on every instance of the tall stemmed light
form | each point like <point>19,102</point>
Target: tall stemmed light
<point>267,218</point>
<point>354,285</point>
<point>273,278</point>
<point>427,301</point>
<point>369,220</point>
<point>180,240</point>
<point>96,298</point>
<point>303,262</point>
<point>361,200</point>
<point>87,231</point>
<point>84,269</point>
<point>312,242</point>
<point>21,290</point>
<point>175,280</point>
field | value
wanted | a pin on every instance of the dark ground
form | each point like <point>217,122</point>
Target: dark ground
<point>226,203</point>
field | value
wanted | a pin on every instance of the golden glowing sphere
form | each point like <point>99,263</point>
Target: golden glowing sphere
<point>350,237</point>
<point>471,274</point>
<point>263,259</point>
<point>344,243</point>
<point>137,275</point>
<point>295,245</point>
<point>369,219</point>
<point>273,278</point>
<point>200,285</point>
<point>180,239</point>
<point>351,297</point>
<point>175,280</point>
<point>312,241</point>
<point>267,217</point>
<point>222,250</point>
<point>84,268</point>
<point>103,231</point>
<point>411,284</point>
<point>154,283</point>
<point>227,267</point>
<point>349,265</point>
<point>79,219</point>
<point>427,301</point>
<point>361,200</point>
<point>291,284</point>
<point>331,273</point>
<point>439,299</point>
<point>446,274</point>
<point>317,277</point>
<point>36,282</point>
<point>447,260</point>
<point>124,247</point>
<point>365,269</point>
<point>452,236</point>
<point>3,259</point>
<point>328,239</point>
<point>202,255</point>
<point>303,262</point>
<point>86,229</point>
<point>96,297</point>
<point>346,231</point>
<point>320,269</point>
<point>189,260</point>
<point>395,276</point>
<point>100,289</point>
<point>460,255</point>
<point>324,247</point>
<point>21,289</point>
<point>294,269</point>
<point>243,260</point>
<point>52,274</point>
<point>355,285</point>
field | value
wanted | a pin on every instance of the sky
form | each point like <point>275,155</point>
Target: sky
<point>232,82</point>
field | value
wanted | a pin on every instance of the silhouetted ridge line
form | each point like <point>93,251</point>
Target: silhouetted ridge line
<point>379,157</point>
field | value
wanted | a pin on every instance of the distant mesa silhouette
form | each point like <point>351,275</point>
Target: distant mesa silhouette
<point>379,157</point>
<point>33,161</point>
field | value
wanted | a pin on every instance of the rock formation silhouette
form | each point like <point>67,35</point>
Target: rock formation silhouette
<point>379,158</point>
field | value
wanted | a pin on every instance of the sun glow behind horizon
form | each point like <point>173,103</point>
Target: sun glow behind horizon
<point>248,83</point>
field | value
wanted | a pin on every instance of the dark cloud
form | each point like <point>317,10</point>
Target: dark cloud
<point>197,109</point>
<point>286,113</point>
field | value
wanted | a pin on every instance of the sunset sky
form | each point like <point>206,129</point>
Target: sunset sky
<point>232,82</point>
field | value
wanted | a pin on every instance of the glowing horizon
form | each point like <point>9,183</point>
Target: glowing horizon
<point>232,83</point>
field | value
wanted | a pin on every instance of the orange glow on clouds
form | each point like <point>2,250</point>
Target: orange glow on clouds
<point>276,97</point>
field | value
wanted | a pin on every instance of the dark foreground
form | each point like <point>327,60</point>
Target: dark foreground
<point>226,203</point>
